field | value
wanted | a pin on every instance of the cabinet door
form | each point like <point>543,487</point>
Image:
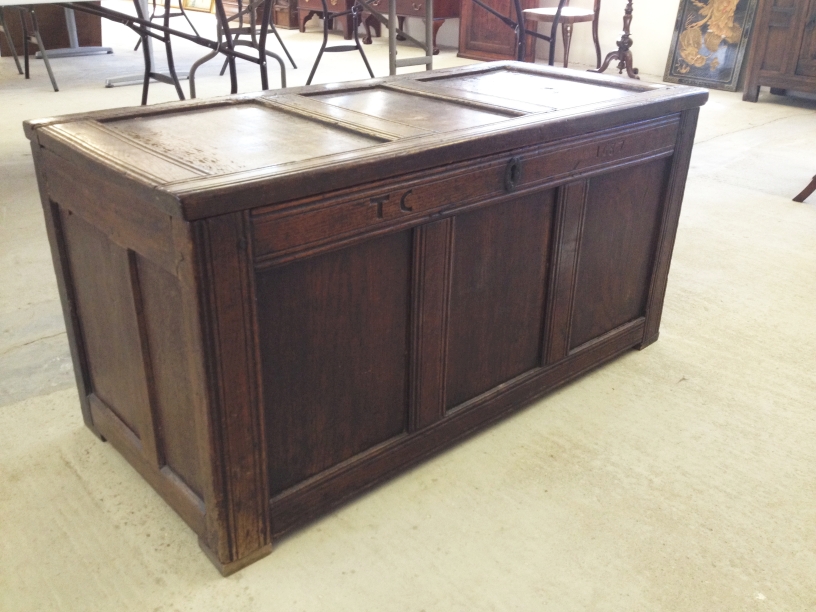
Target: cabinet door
<point>781,29</point>
<point>806,66</point>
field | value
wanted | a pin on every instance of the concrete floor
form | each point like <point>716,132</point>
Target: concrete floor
<point>678,478</point>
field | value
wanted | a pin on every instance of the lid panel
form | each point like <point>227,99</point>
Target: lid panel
<point>240,137</point>
<point>534,88</point>
<point>414,110</point>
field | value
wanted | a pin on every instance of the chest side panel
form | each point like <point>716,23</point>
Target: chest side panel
<point>617,245</point>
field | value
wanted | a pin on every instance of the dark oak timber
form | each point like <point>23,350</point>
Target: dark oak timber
<point>783,48</point>
<point>265,326</point>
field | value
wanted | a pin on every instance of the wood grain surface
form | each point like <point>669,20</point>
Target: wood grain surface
<point>266,321</point>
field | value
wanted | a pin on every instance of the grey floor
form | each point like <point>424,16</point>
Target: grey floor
<point>682,477</point>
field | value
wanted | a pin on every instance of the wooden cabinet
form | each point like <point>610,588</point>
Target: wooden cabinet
<point>783,49</point>
<point>483,37</point>
<point>309,8</point>
<point>442,10</point>
<point>266,324</point>
<point>51,19</point>
<point>284,12</point>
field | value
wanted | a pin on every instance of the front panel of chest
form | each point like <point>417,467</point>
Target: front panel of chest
<point>366,343</point>
<point>357,331</point>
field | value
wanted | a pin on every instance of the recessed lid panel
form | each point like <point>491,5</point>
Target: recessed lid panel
<point>534,88</point>
<point>237,137</point>
<point>415,110</point>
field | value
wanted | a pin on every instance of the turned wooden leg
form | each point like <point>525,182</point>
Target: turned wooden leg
<point>566,33</point>
<point>401,26</point>
<point>436,25</point>
<point>347,25</point>
<point>303,17</point>
<point>370,22</point>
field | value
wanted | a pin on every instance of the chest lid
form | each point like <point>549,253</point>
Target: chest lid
<point>215,156</point>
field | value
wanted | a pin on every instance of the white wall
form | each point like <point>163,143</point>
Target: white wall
<point>652,28</point>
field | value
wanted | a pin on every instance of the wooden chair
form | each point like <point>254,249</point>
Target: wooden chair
<point>569,16</point>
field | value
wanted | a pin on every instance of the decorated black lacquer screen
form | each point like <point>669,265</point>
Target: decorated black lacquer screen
<point>709,42</point>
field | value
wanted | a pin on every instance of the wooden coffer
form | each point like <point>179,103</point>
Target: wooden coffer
<point>275,301</point>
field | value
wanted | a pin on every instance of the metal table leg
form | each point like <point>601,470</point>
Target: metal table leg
<point>393,30</point>
<point>4,30</point>
<point>34,38</point>
<point>138,78</point>
<point>73,48</point>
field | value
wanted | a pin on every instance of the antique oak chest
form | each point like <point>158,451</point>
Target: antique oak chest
<point>275,301</point>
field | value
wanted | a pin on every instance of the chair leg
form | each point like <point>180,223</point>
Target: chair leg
<point>566,32</point>
<point>596,40</point>
<point>4,29</point>
<point>222,17</point>
<point>41,46</point>
<point>148,64</point>
<point>521,36</point>
<point>267,12</point>
<point>354,27</point>
<point>226,61</point>
<point>280,40</point>
<point>551,60</point>
<point>183,12</point>
<point>355,13</point>
<point>807,191</point>
<point>322,49</point>
<point>206,58</point>
<point>25,43</point>
<point>168,47</point>
<point>148,69</point>
<point>152,15</point>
